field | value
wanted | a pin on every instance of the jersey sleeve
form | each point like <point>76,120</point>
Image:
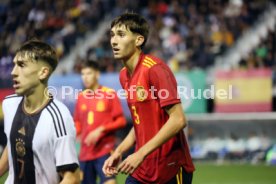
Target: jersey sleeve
<point>77,121</point>
<point>4,115</point>
<point>65,149</point>
<point>116,107</point>
<point>8,112</point>
<point>117,114</point>
<point>164,84</point>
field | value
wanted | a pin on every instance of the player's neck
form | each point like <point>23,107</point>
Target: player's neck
<point>95,87</point>
<point>132,62</point>
<point>36,100</point>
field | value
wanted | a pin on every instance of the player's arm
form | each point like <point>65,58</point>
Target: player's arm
<point>109,167</point>
<point>127,143</point>
<point>77,117</point>
<point>95,135</point>
<point>69,177</point>
<point>118,122</point>
<point>66,158</point>
<point>174,124</point>
<point>4,162</point>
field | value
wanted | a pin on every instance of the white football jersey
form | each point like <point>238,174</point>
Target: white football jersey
<point>40,144</point>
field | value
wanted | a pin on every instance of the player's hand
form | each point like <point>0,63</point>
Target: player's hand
<point>93,136</point>
<point>110,165</point>
<point>129,165</point>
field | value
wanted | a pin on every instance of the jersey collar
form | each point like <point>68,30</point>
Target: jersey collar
<point>141,57</point>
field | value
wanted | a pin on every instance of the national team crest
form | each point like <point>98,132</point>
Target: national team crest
<point>20,147</point>
<point>141,93</point>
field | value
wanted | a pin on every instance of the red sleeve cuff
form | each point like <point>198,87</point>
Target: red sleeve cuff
<point>170,102</point>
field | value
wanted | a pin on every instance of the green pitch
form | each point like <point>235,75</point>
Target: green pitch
<point>225,174</point>
<point>229,174</point>
<point>2,179</point>
<point>234,174</point>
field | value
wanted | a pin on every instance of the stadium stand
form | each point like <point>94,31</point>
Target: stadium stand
<point>187,34</point>
<point>60,23</point>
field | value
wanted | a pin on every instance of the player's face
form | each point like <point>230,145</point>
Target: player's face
<point>25,74</point>
<point>89,77</point>
<point>123,42</point>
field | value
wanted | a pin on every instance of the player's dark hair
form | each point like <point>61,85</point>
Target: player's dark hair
<point>90,64</point>
<point>135,23</point>
<point>39,51</point>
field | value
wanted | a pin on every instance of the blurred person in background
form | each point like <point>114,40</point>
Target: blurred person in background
<point>98,114</point>
<point>213,145</point>
<point>253,145</point>
<point>161,153</point>
<point>235,147</point>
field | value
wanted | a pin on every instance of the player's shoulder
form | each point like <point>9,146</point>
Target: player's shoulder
<point>58,107</point>
<point>59,104</point>
<point>12,100</point>
<point>107,89</point>
<point>149,61</point>
<point>83,93</point>
<point>13,96</point>
<point>59,114</point>
<point>154,63</point>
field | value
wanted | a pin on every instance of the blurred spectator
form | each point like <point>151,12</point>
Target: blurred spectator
<point>252,149</point>
<point>59,23</point>
<point>235,147</point>
<point>189,33</point>
<point>262,56</point>
<point>265,142</point>
<point>253,145</point>
<point>213,145</point>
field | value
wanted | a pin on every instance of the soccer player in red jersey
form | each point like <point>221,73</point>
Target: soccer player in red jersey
<point>98,113</point>
<point>161,150</point>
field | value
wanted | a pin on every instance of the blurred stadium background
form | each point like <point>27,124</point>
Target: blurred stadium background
<point>209,44</point>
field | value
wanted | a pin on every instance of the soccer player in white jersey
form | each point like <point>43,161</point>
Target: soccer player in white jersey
<point>40,130</point>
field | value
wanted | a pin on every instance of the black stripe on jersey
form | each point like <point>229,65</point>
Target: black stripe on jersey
<point>53,121</point>
<point>68,167</point>
<point>56,117</point>
<point>12,96</point>
<point>60,118</point>
<point>22,145</point>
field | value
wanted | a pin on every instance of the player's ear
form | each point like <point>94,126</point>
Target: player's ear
<point>44,73</point>
<point>139,40</point>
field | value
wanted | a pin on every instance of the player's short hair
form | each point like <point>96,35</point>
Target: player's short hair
<point>134,22</point>
<point>39,51</point>
<point>90,64</point>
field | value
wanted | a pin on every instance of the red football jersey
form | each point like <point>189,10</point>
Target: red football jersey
<point>151,87</point>
<point>92,110</point>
